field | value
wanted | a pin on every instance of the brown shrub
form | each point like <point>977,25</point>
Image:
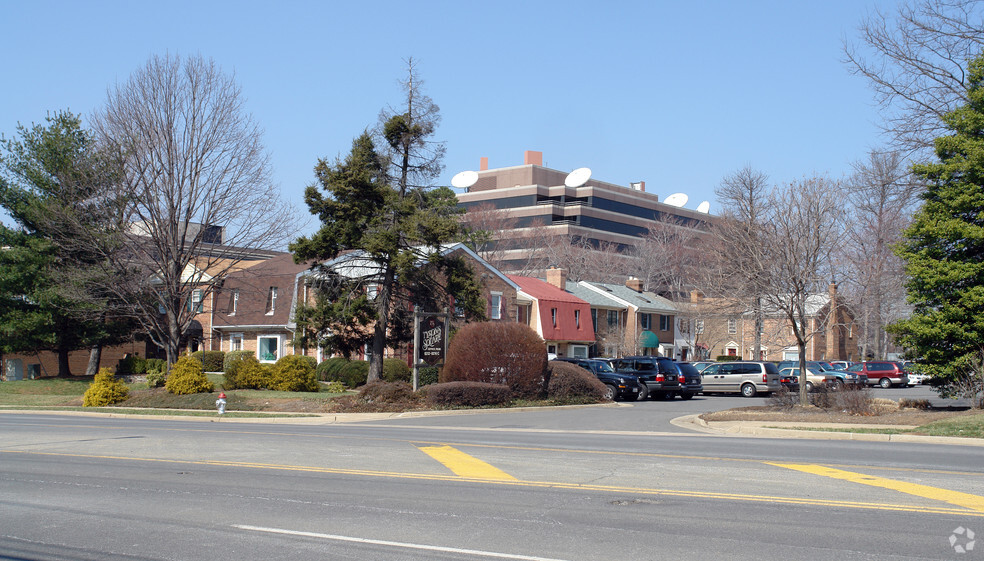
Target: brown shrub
<point>467,394</point>
<point>783,398</point>
<point>504,353</point>
<point>855,401</point>
<point>388,392</point>
<point>921,404</point>
<point>571,383</point>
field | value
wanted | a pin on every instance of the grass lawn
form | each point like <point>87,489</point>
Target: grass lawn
<point>967,426</point>
<point>44,392</point>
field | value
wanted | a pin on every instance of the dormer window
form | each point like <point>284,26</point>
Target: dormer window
<point>271,301</point>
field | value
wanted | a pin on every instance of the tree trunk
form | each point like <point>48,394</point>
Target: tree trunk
<point>95,355</point>
<point>383,299</point>
<point>64,370</point>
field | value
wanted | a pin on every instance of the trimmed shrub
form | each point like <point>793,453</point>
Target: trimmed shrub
<point>467,394</point>
<point>158,365</point>
<point>427,375</point>
<point>497,353</point>
<point>354,373</point>
<point>131,364</point>
<point>292,373</point>
<point>328,369</point>
<point>104,390</point>
<point>187,377</point>
<point>212,361</point>
<point>922,404</point>
<point>396,370</point>
<point>156,379</point>
<point>571,383</point>
<point>783,398</point>
<point>312,362</point>
<point>388,392</point>
<point>333,387</point>
<point>232,357</point>
<point>252,375</point>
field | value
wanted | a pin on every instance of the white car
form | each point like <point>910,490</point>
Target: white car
<point>915,378</point>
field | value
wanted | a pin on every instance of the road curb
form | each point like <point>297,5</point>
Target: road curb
<point>775,429</point>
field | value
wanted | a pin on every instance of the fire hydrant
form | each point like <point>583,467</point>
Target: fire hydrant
<point>221,403</point>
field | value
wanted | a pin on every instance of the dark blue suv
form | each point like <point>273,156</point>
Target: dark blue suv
<point>659,373</point>
<point>620,386</point>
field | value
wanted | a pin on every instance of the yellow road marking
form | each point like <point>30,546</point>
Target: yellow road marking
<point>966,500</point>
<point>538,484</point>
<point>465,465</point>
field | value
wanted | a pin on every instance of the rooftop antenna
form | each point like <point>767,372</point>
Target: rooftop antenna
<point>464,179</point>
<point>704,207</point>
<point>676,199</point>
<point>578,177</point>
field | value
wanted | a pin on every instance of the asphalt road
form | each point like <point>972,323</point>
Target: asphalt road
<point>555,484</point>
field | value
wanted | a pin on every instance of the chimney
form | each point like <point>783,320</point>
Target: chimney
<point>639,186</point>
<point>533,157</point>
<point>557,277</point>
<point>694,297</point>
<point>634,284</point>
<point>483,164</point>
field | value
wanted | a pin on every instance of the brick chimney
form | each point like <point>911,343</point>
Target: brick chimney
<point>634,284</point>
<point>557,277</point>
<point>483,163</point>
<point>533,157</point>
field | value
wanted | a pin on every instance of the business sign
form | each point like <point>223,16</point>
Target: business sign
<point>433,332</point>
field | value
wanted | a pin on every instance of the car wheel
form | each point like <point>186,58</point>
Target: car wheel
<point>643,393</point>
<point>885,383</point>
<point>610,392</point>
<point>809,387</point>
<point>748,390</point>
<point>686,396</point>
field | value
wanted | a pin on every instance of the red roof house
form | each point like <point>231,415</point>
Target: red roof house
<point>562,319</point>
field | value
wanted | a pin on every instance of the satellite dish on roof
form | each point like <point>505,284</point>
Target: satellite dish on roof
<point>676,199</point>
<point>464,179</point>
<point>578,177</point>
<point>704,207</point>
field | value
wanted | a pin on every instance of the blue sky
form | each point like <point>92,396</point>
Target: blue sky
<point>676,94</point>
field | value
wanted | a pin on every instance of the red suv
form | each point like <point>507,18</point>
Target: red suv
<point>882,373</point>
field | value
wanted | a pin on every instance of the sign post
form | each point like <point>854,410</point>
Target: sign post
<point>430,340</point>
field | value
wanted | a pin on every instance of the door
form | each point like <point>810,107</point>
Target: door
<point>711,378</point>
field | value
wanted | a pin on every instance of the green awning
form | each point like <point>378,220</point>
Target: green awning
<point>648,340</point>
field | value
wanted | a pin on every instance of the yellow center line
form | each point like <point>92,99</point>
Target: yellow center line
<point>966,500</point>
<point>465,465</point>
<point>539,484</point>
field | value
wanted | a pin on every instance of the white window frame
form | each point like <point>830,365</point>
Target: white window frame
<point>700,327</point>
<point>577,319</point>
<point>280,345</point>
<point>579,351</point>
<point>235,302</point>
<point>553,316</point>
<point>233,337</point>
<point>645,321</point>
<point>664,323</point>
<point>495,305</point>
<point>273,301</point>
<point>195,304</point>
<point>732,326</point>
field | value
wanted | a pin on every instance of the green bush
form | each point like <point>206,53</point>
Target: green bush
<point>156,379</point>
<point>158,365</point>
<point>252,375</point>
<point>313,362</point>
<point>187,377</point>
<point>467,394</point>
<point>355,373</point>
<point>328,369</point>
<point>232,357</point>
<point>573,384</point>
<point>131,364</point>
<point>212,361</point>
<point>499,353</point>
<point>396,370</point>
<point>105,389</point>
<point>333,387</point>
<point>292,373</point>
<point>427,375</point>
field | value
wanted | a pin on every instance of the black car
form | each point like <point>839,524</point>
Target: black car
<point>659,374</point>
<point>690,380</point>
<point>621,386</point>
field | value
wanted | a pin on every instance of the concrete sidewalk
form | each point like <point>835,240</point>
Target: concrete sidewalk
<point>776,429</point>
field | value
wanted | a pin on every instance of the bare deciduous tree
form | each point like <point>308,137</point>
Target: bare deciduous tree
<point>197,179</point>
<point>915,61</point>
<point>484,225</point>
<point>881,196</point>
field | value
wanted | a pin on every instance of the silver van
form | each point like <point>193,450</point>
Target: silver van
<point>747,378</point>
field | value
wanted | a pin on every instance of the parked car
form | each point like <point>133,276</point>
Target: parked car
<point>816,364</point>
<point>690,381</point>
<point>814,376</point>
<point>917,378</point>
<point>882,373</point>
<point>620,386</point>
<point>839,379</point>
<point>747,378</point>
<point>659,374</point>
<point>841,364</point>
<point>701,365</point>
